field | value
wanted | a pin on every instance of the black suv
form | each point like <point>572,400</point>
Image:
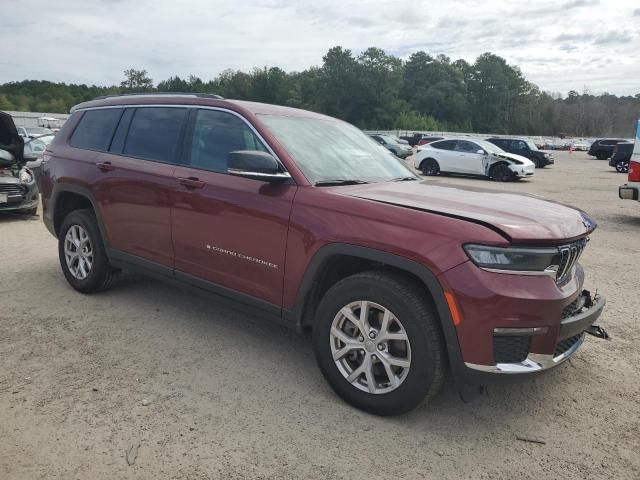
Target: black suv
<point>621,156</point>
<point>603,148</point>
<point>523,147</point>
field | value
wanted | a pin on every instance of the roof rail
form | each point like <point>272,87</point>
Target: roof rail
<point>153,94</point>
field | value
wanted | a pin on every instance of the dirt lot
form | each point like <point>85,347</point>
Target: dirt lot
<point>207,391</point>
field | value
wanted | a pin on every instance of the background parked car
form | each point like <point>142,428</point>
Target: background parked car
<point>472,157</point>
<point>426,140</point>
<point>34,149</point>
<point>621,155</point>
<point>391,144</point>
<point>32,132</point>
<point>524,147</point>
<point>603,148</point>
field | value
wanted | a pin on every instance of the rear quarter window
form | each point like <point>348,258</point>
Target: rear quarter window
<point>95,129</point>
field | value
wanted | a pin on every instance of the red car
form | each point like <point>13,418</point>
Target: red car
<point>399,280</point>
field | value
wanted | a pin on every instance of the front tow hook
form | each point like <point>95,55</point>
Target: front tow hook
<point>598,332</point>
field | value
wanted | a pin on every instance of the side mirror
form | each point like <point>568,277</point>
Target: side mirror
<point>481,152</point>
<point>255,165</point>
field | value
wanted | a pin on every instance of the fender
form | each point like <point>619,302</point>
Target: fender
<point>429,280</point>
<point>60,188</point>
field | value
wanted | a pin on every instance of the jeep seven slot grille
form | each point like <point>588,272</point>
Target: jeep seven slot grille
<point>568,255</point>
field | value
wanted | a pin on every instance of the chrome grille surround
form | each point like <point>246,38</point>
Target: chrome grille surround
<point>568,256</point>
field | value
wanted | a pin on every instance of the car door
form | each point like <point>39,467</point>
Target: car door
<point>468,159</point>
<point>228,231</point>
<point>135,179</point>
<point>444,154</point>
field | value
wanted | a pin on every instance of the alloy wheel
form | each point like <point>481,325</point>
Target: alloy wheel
<point>370,347</point>
<point>78,252</point>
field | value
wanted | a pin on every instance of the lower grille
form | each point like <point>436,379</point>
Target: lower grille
<point>12,189</point>
<point>566,344</point>
<point>511,349</point>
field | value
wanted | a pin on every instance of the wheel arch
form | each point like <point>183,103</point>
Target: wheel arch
<point>354,259</point>
<point>67,198</point>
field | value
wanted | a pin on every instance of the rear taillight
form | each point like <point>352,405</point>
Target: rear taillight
<point>615,149</point>
<point>634,171</point>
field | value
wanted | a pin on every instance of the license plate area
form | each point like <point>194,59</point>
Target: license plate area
<point>4,198</point>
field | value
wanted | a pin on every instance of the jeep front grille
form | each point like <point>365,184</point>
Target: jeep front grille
<point>568,256</point>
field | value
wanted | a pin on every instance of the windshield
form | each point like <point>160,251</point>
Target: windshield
<point>532,146</point>
<point>333,150</point>
<point>488,146</point>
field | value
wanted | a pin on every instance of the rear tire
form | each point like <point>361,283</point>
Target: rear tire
<point>380,388</point>
<point>429,167</point>
<point>501,173</point>
<point>82,255</point>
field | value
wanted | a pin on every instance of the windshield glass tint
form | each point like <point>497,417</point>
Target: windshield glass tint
<point>333,150</point>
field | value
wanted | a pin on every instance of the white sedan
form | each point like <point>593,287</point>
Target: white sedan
<point>472,157</point>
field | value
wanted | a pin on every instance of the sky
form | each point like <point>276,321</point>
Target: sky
<point>559,45</point>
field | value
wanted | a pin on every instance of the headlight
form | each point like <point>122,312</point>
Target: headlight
<point>546,155</point>
<point>25,176</point>
<point>517,162</point>
<point>520,259</point>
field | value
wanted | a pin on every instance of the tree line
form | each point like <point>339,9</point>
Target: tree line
<point>376,90</point>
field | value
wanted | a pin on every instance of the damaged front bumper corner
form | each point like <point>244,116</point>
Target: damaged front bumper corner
<point>572,330</point>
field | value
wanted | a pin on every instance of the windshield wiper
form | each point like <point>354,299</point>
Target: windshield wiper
<point>404,179</point>
<point>330,183</point>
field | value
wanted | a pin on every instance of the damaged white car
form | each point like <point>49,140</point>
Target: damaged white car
<point>469,156</point>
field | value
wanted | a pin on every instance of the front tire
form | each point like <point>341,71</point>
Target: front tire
<point>378,343</point>
<point>501,173</point>
<point>429,167</point>
<point>82,255</point>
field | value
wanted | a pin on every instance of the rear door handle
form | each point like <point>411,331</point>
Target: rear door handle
<point>191,182</point>
<point>105,166</point>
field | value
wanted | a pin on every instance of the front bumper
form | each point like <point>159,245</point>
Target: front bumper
<point>572,331</point>
<point>521,172</point>
<point>545,321</point>
<point>26,199</point>
<point>629,192</point>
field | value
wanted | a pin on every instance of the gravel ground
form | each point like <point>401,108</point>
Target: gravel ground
<point>206,391</point>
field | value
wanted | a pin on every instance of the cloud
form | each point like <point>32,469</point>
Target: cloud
<point>93,42</point>
<point>579,3</point>
<point>613,37</point>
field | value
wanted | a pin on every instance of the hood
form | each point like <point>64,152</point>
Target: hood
<point>10,141</point>
<point>513,156</point>
<point>518,217</point>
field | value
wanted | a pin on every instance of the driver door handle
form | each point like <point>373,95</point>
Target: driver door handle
<point>105,166</point>
<point>191,182</point>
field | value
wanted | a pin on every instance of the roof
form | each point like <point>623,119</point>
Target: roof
<point>208,100</point>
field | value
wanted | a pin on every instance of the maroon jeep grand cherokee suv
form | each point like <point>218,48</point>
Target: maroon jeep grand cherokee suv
<point>307,218</point>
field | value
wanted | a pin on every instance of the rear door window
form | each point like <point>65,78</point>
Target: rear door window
<point>154,133</point>
<point>444,145</point>
<point>466,147</point>
<point>215,135</point>
<point>95,130</point>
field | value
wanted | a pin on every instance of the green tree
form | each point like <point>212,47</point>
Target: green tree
<point>136,80</point>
